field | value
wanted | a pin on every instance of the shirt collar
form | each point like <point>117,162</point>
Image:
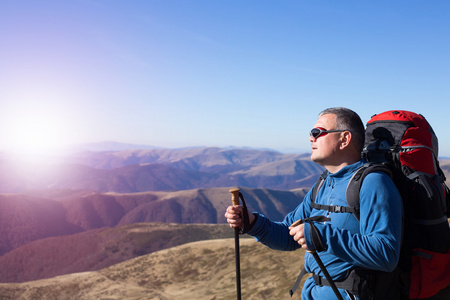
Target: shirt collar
<point>347,169</point>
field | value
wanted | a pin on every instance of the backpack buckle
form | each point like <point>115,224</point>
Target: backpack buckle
<point>339,209</point>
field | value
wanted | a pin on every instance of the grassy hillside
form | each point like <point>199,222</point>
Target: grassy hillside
<point>100,248</point>
<point>199,270</point>
<point>50,213</point>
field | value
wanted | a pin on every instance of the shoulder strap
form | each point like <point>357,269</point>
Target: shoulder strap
<point>318,185</point>
<point>330,208</point>
<point>352,192</point>
<point>355,183</point>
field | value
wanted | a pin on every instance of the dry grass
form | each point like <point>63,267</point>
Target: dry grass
<point>199,270</point>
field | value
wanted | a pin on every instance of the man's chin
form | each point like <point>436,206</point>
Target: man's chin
<point>315,158</point>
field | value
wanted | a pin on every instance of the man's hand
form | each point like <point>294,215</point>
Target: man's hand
<point>234,216</point>
<point>298,233</point>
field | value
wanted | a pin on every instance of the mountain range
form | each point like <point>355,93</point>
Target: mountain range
<point>140,170</point>
<point>29,217</point>
<point>132,171</point>
<point>54,232</point>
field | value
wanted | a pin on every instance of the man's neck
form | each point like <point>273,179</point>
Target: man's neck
<point>337,167</point>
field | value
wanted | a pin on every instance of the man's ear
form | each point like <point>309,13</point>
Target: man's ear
<point>346,137</point>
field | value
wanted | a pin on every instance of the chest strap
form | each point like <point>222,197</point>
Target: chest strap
<point>334,208</point>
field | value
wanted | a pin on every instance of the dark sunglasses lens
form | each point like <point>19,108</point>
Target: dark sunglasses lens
<point>315,132</point>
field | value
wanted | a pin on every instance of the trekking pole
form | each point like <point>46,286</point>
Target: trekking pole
<point>325,272</point>
<point>321,266</point>
<point>235,201</point>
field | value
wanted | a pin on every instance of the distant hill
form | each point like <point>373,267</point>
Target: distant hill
<point>201,270</point>
<point>445,166</point>
<point>132,171</point>
<point>100,248</point>
<point>40,214</point>
<point>106,146</point>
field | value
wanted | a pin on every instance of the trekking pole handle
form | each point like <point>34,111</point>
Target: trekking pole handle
<point>234,196</point>
<point>296,223</point>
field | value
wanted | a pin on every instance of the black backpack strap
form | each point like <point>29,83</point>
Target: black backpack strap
<point>445,189</point>
<point>334,208</point>
<point>447,199</point>
<point>357,282</point>
<point>355,183</point>
<point>330,208</point>
<point>297,282</point>
<point>318,185</point>
<point>316,189</point>
<point>353,188</point>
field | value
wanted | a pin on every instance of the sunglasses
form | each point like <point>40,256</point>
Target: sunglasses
<point>318,132</point>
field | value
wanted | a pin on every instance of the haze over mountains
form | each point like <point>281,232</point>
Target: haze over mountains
<point>91,210</point>
<point>131,171</point>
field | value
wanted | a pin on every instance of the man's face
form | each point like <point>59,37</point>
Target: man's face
<point>324,149</point>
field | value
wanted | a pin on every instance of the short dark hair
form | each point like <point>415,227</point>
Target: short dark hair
<point>347,119</point>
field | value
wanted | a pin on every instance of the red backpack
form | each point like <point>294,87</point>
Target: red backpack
<point>406,143</point>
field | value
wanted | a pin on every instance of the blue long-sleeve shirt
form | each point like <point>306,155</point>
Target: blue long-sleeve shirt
<point>371,243</point>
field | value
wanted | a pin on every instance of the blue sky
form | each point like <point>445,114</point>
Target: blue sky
<point>215,73</point>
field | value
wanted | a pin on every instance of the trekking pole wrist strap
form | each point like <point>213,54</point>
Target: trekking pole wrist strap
<point>313,233</point>
<point>247,225</point>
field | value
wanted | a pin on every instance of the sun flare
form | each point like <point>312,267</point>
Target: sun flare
<point>35,132</point>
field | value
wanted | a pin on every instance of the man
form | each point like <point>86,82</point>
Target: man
<point>372,243</point>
